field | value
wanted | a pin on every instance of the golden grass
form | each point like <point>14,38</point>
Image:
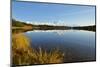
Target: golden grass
<point>20,41</point>
<point>24,27</point>
<point>23,54</point>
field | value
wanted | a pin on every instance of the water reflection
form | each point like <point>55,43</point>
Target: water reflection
<point>79,44</point>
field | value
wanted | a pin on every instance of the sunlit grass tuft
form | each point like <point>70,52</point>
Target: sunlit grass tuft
<point>20,41</point>
<point>23,54</point>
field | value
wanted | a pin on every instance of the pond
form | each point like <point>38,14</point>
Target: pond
<point>77,45</point>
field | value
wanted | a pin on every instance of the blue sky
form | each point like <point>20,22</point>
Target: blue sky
<point>72,15</point>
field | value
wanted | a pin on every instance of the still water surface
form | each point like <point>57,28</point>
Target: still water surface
<point>77,45</point>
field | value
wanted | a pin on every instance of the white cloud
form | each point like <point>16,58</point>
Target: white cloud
<point>48,23</point>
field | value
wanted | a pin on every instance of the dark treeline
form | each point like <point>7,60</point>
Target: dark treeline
<point>89,28</point>
<point>50,27</point>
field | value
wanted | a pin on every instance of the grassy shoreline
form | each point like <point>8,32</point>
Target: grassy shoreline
<point>23,54</point>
